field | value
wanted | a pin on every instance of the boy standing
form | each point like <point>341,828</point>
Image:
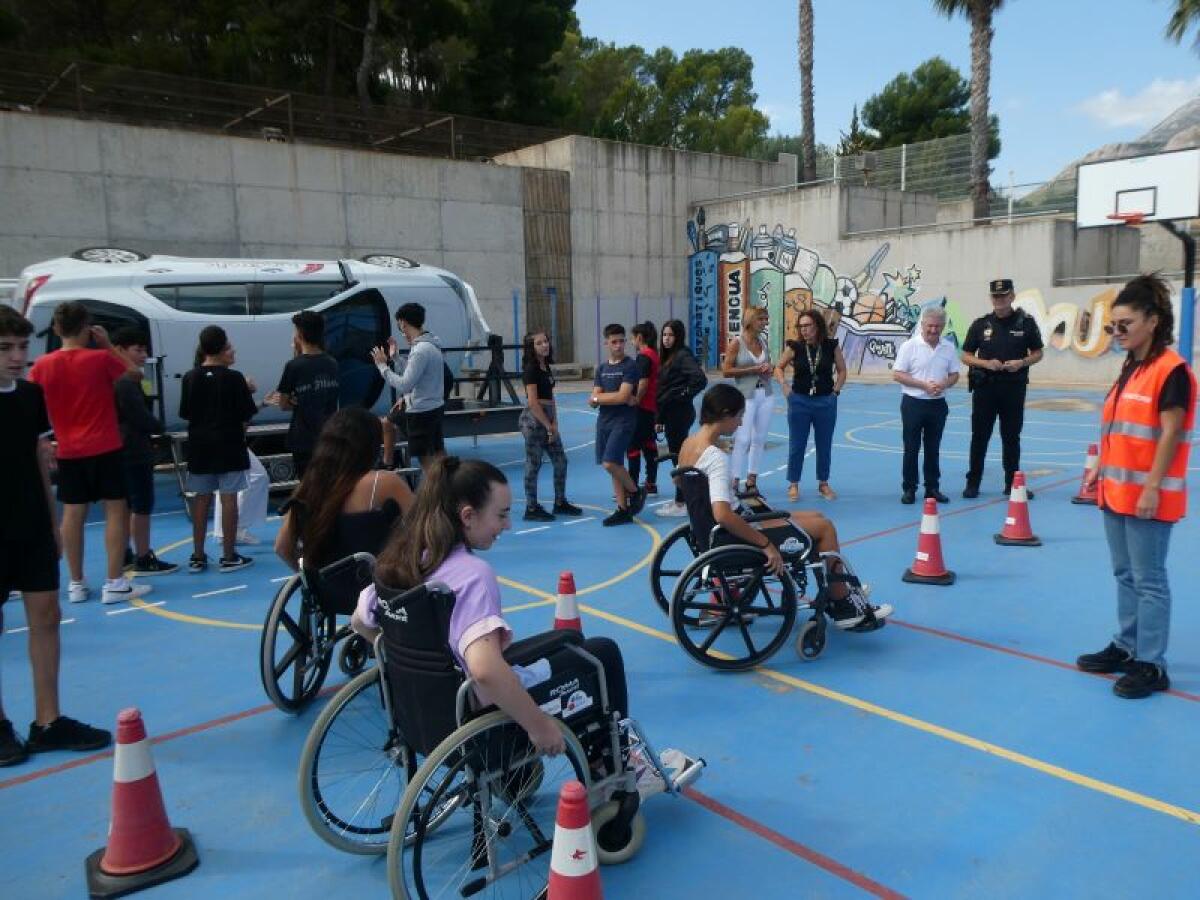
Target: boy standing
<point>138,428</point>
<point>217,404</point>
<point>29,550</point>
<point>78,384</point>
<point>613,394</point>
<point>308,387</point>
<point>421,384</point>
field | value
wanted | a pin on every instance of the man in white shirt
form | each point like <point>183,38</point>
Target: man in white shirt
<point>926,367</point>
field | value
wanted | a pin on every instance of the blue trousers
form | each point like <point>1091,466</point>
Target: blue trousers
<point>819,413</point>
<point>1138,548</point>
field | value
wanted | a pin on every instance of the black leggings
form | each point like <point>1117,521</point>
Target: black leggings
<point>644,445</point>
<point>677,419</point>
<point>609,654</point>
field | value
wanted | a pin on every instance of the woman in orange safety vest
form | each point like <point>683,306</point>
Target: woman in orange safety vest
<point>1145,436</point>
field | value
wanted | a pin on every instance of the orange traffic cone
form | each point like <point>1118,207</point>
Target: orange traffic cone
<point>566,612</point>
<point>928,567</point>
<point>1088,494</point>
<point>143,849</point>
<point>574,869</point>
<point>1017,531</point>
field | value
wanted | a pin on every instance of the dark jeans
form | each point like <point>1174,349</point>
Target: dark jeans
<point>923,422</point>
<point>677,419</point>
<point>988,401</point>
<point>819,413</point>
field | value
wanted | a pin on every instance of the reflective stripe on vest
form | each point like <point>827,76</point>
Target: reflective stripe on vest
<point>1145,432</point>
<point>1132,476</point>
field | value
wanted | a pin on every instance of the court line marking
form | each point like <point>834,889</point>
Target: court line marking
<point>129,609</point>
<point>532,530</point>
<point>22,628</point>
<point>578,521</point>
<point>228,590</point>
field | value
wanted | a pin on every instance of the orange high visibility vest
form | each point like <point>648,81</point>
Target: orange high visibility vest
<point>1129,433</point>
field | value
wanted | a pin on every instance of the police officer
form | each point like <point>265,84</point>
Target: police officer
<point>998,351</point>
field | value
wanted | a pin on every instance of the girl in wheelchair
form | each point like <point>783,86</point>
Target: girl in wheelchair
<point>720,416</point>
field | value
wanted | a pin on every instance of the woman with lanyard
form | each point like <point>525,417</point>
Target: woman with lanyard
<point>748,362</point>
<point>818,373</point>
<point>1145,436</point>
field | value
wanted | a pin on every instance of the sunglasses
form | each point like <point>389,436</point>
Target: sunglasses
<point>1119,327</point>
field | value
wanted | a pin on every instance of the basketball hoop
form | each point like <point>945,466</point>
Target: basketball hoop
<point>1132,219</point>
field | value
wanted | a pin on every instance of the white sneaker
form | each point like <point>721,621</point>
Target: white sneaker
<point>77,592</point>
<point>122,590</point>
<point>671,510</point>
<point>246,539</point>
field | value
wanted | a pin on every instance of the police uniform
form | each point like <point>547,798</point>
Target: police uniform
<point>998,394</point>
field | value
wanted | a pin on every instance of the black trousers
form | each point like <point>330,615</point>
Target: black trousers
<point>989,401</point>
<point>923,421</point>
<point>676,419</point>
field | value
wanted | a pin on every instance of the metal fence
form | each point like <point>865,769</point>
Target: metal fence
<point>31,83</point>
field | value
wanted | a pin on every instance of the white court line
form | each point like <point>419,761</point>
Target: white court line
<point>117,612</point>
<point>228,590</point>
<point>26,627</point>
<point>282,578</point>
<point>532,530</point>
<point>521,461</point>
<point>577,521</point>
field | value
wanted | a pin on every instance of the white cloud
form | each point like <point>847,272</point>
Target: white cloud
<point>1149,106</point>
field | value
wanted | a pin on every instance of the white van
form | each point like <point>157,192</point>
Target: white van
<point>172,298</point>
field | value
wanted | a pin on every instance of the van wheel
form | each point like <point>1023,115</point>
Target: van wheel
<point>389,261</point>
<point>108,255</point>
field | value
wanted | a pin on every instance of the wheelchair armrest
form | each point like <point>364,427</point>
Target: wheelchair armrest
<point>533,648</point>
<point>350,564</point>
<point>770,515</point>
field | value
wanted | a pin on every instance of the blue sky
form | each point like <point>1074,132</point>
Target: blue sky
<point>1067,75</point>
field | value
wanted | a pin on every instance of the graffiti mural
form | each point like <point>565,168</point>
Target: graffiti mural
<point>1068,326</point>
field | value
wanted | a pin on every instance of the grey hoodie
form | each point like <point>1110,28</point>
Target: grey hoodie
<point>422,379</point>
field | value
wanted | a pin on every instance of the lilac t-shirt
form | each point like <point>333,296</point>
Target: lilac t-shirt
<point>476,606</point>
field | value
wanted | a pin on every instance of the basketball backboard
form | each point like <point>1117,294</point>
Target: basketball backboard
<point>1161,186</point>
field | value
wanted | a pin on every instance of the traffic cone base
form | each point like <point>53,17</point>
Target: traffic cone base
<point>1081,499</point>
<point>947,577</point>
<point>102,884</point>
<point>1031,541</point>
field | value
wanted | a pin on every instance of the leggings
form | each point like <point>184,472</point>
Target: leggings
<point>677,419</point>
<point>750,440</point>
<point>537,442</point>
<point>644,445</point>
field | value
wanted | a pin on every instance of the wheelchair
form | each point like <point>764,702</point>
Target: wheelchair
<point>726,609</point>
<point>301,632</point>
<point>401,761</point>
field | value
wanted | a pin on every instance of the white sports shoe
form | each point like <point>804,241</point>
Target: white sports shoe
<point>78,592</point>
<point>246,539</point>
<point>123,590</point>
<point>671,510</point>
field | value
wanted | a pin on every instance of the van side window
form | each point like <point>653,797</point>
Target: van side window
<point>292,296</point>
<point>203,299</point>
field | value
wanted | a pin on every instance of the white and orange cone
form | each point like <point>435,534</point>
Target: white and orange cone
<point>566,611</point>
<point>574,866</point>
<point>1088,494</point>
<point>1017,531</point>
<point>928,567</point>
<point>143,849</point>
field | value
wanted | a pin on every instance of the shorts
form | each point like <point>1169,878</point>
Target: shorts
<point>139,487</point>
<point>220,483</point>
<point>425,433</point>
<point>613,440</point>
<point>90,479</point>
<point>28,565</point>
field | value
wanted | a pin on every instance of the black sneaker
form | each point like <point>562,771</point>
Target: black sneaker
<point>537,513</point>
<point>152,565</point>
<point>1141,680</point>
<point>636,501</point>
<point>65,733</point>
<point>566,508</point>
<point>12,748</point>
<point>937,495</point>
<point>618,517</point>
<point>651,488</point>
<point>849,611</point>
<point>198,563</point>
<point>1111,659</point>
<point>971,491</point>
<point>908,497</point>
<point>233,563</point>
<point>129,560</point>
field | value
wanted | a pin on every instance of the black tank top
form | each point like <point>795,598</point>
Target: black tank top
<point>805,360</point>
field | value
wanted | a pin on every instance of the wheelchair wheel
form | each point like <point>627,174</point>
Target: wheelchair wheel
<point>811,641</point>
<point>296,647</point>
<point>742,613</point>
<point>354,654</point>
<point>612,847</point>
<point>670,559</point>
<point>497,799</point>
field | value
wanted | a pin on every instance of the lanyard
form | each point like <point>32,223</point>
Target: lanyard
<point>813,362</point>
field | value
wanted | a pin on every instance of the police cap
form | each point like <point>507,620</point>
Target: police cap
<point>1000,286</point>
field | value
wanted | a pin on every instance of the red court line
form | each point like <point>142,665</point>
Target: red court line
<point>820,860</point>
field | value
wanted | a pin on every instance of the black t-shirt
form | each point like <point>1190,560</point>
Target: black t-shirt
<point>802,367</point>
<point>311,380</point>
<point>1176,391</point>
<point>543,379</point>
<point>216,403</point>
<point>1013,337</point>
<point>22,492</point>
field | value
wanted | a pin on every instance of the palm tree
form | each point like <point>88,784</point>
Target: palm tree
<point>1186,14</point>
<point>808,144</point>
<point>979,13</point>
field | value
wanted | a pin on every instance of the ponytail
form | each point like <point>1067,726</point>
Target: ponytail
<point>1151,296</point>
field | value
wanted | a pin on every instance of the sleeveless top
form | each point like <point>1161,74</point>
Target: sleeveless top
<point>747,384</point>
<point>358,532</point>
<point>805,381</point>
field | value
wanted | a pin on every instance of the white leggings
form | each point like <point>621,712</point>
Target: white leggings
<point>750,440</point>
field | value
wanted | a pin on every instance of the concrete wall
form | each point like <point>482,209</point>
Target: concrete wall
<point>68,184</point>
<point>629,214</point>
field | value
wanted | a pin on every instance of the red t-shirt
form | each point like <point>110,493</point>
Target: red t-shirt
<point>648,368</point>
<point>78,385</point>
